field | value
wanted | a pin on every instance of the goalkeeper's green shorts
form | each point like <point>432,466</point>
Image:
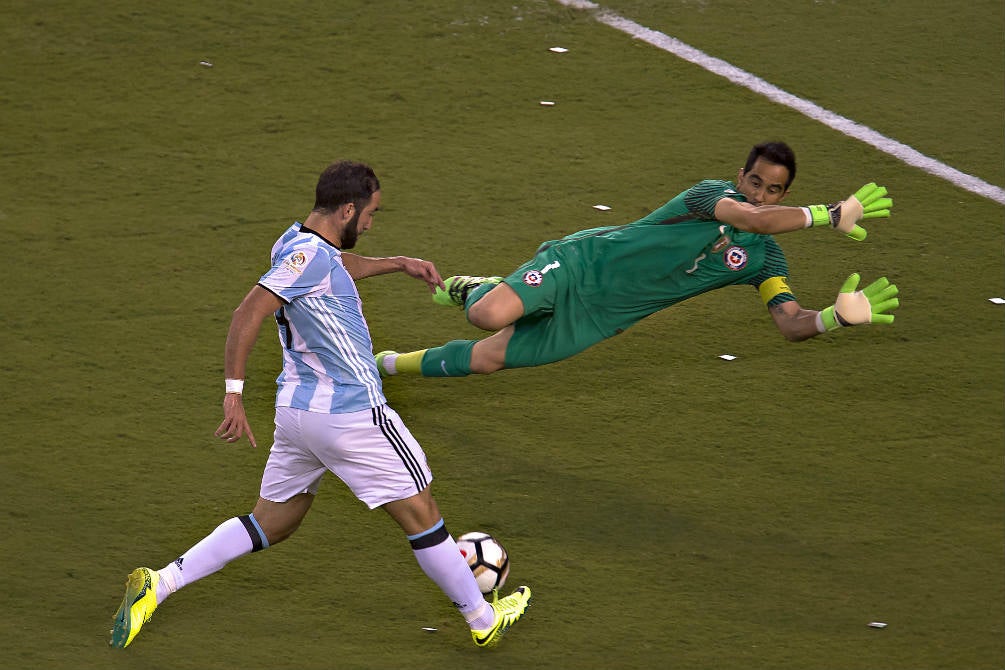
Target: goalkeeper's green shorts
<point>555,324</point>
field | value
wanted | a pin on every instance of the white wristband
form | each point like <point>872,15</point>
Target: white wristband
<point>234,385</point>
<point>809,216</point>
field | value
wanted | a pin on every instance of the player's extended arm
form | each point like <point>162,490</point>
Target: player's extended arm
<point>869,202</point>
<point>853,307</point>
<point>361,267</point>
<point>870,305</point>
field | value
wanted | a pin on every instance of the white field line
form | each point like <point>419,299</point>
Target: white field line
<point>840,123</point>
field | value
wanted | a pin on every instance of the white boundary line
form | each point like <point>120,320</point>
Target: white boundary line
<point>840,123</point>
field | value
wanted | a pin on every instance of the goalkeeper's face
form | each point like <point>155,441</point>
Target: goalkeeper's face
<point>764,183</point>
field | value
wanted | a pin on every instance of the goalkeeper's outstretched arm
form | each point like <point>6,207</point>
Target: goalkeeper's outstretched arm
<point>853,307</point>
<point>869,202</point>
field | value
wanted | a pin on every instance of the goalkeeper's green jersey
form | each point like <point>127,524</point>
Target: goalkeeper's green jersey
<point>601,281</point>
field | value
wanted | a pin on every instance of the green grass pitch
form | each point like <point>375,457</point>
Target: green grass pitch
<point>668,508</point>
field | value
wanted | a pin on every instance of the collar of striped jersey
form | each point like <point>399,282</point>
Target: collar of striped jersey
<point>305,229</point>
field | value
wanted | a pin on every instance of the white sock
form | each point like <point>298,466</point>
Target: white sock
<point>481,618</point>
<point>170,576</point>
<point>444,564</point>
<point>231,539</point>
<point>390,364</point>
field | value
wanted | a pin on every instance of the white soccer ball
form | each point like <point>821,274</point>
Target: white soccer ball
<point>487,558</point>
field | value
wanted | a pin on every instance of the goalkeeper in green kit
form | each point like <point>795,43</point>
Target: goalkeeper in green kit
<point>596,283</point>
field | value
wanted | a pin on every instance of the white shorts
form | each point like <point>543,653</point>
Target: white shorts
<point>371,451</point>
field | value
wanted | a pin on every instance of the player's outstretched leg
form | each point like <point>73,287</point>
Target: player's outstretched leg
<point>508,611</point>
<point>459,288</point>
<point>137,606</point>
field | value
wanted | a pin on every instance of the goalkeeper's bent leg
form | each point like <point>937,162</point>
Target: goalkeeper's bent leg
<point>478,293</point>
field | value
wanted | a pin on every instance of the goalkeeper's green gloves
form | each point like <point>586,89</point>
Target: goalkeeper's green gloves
<point>870,305</point>
<point>869,202</point>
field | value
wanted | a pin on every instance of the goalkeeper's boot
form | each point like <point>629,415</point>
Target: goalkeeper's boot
<point>508,611</point>
<point>137,606</point>
<point>380,362</point>
<point>459,288</point>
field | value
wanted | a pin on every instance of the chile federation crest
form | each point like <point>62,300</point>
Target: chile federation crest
<point>735,258</point>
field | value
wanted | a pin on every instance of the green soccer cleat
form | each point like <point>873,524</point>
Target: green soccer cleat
<point>508,611</point>
<point>380,362</point>
<point>137,606</point>
<point>459,288</point>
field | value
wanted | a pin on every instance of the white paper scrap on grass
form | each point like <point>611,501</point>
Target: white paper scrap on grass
<point>997,301</point>
<point>558,50</point>
<point>602,208</point>
<point>547,103</point>
<point>429,629</point>
<point>877,624</point>
<point>728,357</point>
<point>205,63</point>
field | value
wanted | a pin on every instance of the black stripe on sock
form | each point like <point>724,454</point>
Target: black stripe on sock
<point>256,537</point>
<point>432,539</point>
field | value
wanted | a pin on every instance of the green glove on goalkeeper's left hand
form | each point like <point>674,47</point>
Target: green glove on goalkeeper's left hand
<point>869,202</point>
<point>866,306</point>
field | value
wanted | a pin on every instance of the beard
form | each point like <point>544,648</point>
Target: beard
<point>350,233</point>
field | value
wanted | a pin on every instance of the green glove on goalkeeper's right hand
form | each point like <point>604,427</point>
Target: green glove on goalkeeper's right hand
<point>869,305</point>
<point>869,202</point>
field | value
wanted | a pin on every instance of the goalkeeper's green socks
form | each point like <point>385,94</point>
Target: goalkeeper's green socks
<point>453,359</point>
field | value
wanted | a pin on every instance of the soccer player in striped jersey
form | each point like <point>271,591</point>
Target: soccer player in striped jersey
<point>331,414</point>
<point>594,284</point>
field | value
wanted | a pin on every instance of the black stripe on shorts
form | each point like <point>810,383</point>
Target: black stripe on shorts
<point>409,460</point>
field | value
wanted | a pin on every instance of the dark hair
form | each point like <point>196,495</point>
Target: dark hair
<point>778,153</point>
<point>344,182</point>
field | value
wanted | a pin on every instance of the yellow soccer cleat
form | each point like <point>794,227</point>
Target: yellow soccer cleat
<point>137,606</point>
<point>508,611</point>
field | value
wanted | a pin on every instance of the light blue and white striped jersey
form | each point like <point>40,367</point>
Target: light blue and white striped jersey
<point>328,364</point>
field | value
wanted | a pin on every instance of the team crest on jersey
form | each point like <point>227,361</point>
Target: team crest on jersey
<point>532,278</point>
<point>735,258</point>
<point>296,262</point>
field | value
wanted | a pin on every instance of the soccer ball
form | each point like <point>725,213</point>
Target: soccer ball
<point>487,558</point>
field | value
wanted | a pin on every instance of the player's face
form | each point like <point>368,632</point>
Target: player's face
<point>360,222</point>
<point>764,183</point>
